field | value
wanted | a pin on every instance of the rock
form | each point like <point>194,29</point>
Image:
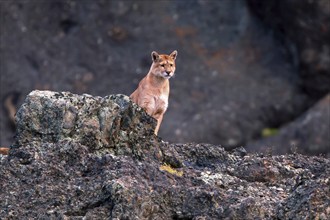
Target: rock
<point>54,171</point>
<point>112,123</point>
<point>308,134</point>
<point>304,26</point>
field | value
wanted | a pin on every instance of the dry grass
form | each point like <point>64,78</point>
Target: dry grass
<point>169,169</point>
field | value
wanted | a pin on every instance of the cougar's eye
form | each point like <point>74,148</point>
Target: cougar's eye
<point>171,65</point>
<point>163,65</point>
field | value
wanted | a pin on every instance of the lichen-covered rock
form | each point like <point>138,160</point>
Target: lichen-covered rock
<point>55,172</point>
<point>111,124</point>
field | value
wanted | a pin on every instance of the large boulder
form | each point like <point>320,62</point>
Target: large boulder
<point>112,123</point>
<point>84,157</point>
<point>304,27</point>
<point>308,134</point>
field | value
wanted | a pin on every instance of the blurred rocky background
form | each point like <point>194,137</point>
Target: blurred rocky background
<point>249,73</point>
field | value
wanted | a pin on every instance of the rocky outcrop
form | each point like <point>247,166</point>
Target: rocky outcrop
<point>84,157</point>
<point>103,123</point>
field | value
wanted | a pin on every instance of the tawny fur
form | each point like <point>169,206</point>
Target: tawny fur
<point>154,89</point>
<point>4,150</point>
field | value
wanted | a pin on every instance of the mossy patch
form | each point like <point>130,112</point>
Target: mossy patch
<point>267,132</point>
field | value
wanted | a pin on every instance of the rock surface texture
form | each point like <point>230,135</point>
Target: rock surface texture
<point>112,123</point>
<point>84,157</point>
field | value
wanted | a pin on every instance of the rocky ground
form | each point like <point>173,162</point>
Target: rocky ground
<point>243,67</point>
<point>85,157</point>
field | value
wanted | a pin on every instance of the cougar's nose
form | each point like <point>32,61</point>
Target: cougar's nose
<point>168,72</point>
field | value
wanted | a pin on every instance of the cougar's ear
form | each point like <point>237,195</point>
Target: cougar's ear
<point>154,56</point>
<point>174,54</point>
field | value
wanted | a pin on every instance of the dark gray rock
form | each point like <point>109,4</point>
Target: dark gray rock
<point>308,134</point>
<point>51,173</point>
<point>304,26</point>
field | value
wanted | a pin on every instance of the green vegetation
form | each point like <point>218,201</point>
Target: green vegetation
<point>267,132</point>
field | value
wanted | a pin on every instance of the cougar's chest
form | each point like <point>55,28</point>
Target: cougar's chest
<point>161,104</point>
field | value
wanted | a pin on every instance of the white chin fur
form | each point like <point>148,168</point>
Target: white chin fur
<point>164,75</point>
